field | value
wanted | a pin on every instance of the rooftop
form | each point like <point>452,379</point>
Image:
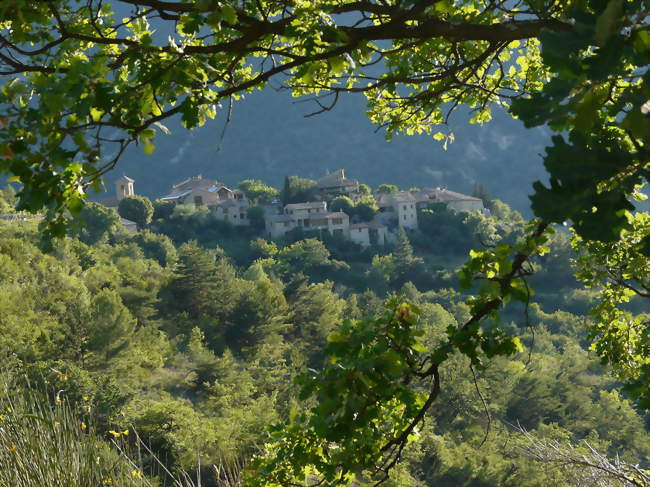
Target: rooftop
<point>335,179</point>
<point>443,195</point>
<point>196,182</point>
<point>175,195</point>
<point>393,198</point>
<point>307,205</point>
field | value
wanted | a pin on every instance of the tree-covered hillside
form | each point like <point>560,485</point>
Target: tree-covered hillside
<point>191,335</point>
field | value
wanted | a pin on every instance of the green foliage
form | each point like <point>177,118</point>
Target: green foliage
<point>258,191</point>
<point>597,94</point>
<point>255,215</point>
<point>387,189</point>
<point>84,105</point>
<point>7,199</point>
<point>368,404</point>
<point>99,222</point>
<point>199,358</point>
<point>365,209</point>
<point>157,247</point>
<point>162,210</point>
<point>47,444</point>
<point>620,269</point>
<point>365,190</point>
<point>136,208</point>
<point>309,256</point>
<point>342,203</point>
<point>297,190</point>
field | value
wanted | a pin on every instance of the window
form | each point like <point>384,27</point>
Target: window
<point>338,232</point>
<point>337,221</point>
<point>404,217</point>
<point>242,216</point>
<point>286,224</point>
<point>405,207</point>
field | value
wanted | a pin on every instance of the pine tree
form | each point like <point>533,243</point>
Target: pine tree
<point>403,258</point>
<point>202,283</point>
<point>403,254</point>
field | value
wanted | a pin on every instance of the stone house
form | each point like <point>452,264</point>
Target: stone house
<point>311,216</point>
<point>233,210</point>
<point>305,210</point>
<point>199,191</point>
<point>366,234</point>
<point>398,209</point>
<point>336,183</point>
<point>453,200</point>
<point>226,204</point>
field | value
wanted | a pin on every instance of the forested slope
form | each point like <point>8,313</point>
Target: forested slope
<point>195,347</point>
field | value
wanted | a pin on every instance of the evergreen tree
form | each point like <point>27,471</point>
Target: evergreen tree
<point>110,325</point>
<point>403,254</point>
<point>202,284</point>
<point>297,190</point>
<point>480,191</point>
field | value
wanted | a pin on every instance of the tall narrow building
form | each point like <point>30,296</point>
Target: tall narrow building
<point>124,187</point>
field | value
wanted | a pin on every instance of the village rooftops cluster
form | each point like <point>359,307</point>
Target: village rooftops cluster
<point>396,210</point>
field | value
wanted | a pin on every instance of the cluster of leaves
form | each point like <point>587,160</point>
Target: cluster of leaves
<point>620,333</point>
<point>596,100</point>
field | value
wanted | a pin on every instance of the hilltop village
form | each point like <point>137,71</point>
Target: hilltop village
<point>335,204</point>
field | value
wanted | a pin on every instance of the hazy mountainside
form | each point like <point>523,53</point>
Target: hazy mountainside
<point>269,137</point>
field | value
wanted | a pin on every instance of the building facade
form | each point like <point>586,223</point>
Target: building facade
<point>124,187</point>
<point>311,216</point>
<point>398,209</point>
<point>366,234</point>
<point>232,210</point>
<point>336,183</point>
<point>454,201</point>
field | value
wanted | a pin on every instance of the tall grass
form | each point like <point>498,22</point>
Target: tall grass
<point>43,443</point>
